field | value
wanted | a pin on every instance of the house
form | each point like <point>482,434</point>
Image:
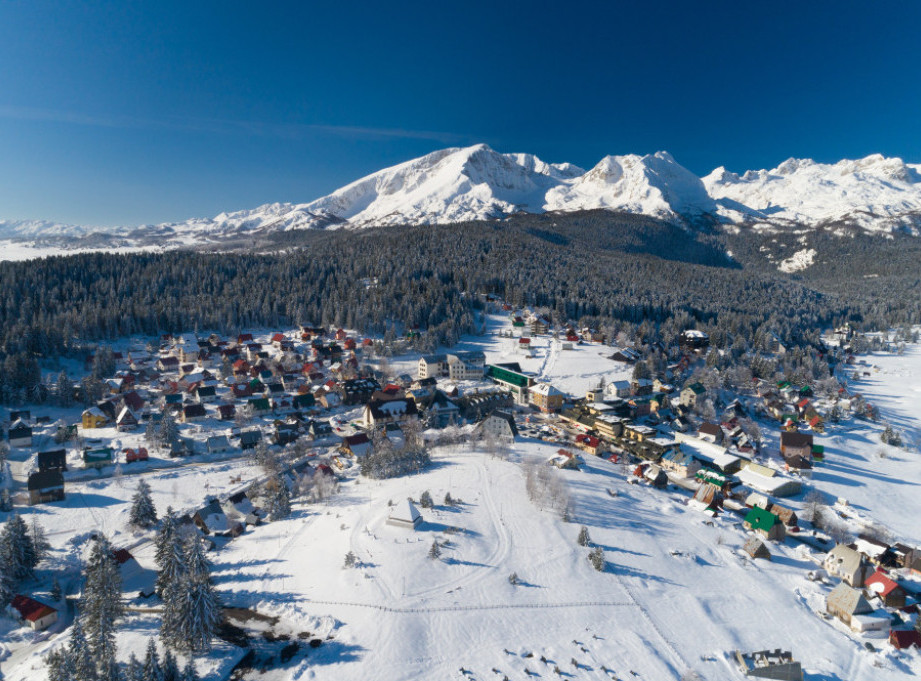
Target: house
<point>259,405</point>
<point>848,565</point>
<point>765,523</point>
<point>691,395</point>
<point>205,393</point>
<point>433,366</point>
<point>875,551</point>
<point>903,639</point>
<point>889,592</point>
<point>405,514</point>
<point>211,519</point>
<point>680,462</point>
<point>617,389</point>
<point>380,411</point>
<point>464,366</point>
<point>440,410</point>
<point>52,460</point>
<point>217,444</point>
<point>500,425</point>
<point>641,386</point>
<point>94,418</point>
<point>126,420</point>
<point>250,438</point>
<point>770,664</point>
<point>168,364</point>
<point>239,508</point>
<point>708,497</point>
<point>626,355</point>
<point>37,616</point>
<point>20,435</point>
<point>139,454</point>
<point>546,398</point>
<point>787,515</point>
<point>710,432</point>
<point>99,457</point>
<point>357,390</point>
<point>846,603</point>
<point>45,486</point>
<point>319,429</point>
<point>358,445</point>
<point>590,444</point>
<point>192,412</point>
<point>692,339</point>
<point>656,476</point>
<point>796,444</point>
<point>226,412</point>
<point>539,325</point>
<point>756,548</point>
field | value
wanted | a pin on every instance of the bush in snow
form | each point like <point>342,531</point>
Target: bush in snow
<point>596,558</point>
<point>434,551</point>
<point>386,462</point>
<point>513,579</point>
<point>449,500</point>
<point>584,539</point>
<point>351,560</point>
<point>425,501</point>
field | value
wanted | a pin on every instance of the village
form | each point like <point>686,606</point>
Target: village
<point>337,408</point>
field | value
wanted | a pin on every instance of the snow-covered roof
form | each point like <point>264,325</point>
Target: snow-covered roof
<point>405,511</point>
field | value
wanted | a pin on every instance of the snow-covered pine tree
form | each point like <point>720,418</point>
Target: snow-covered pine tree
<point>135,670</point>
<point>56,593</point>
<point>199,613</point>
<point>6,502</point>
<point>584,539</point>
<point>197,565</point>
<point>188,672</point>
<point>169,431</point>
<point>17,551</point>
<point>101,604</point>
<point>40,542</point>
<point>425,501</point>
<point>55,663</point>
<point>110,671</point>
<point>434,551</point>
<point>143,513</point>
<point>279,499</point>
<point>170,667</point>
<point>168,554</point>
<point>153,670</point>
<point>152,433</point>
<point>6,585</point>
<point>79,654</point>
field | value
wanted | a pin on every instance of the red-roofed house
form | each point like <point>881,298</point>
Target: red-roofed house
<point>889,592</point>
<point>37,615</point>
<point>901,640</point>
<point>589,443</point>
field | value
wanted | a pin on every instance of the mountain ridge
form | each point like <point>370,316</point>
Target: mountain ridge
<point>459,184</point>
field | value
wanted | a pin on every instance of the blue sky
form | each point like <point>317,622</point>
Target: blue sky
<point>125,113</point>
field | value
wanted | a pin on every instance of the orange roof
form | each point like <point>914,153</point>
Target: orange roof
<point>30,609</point>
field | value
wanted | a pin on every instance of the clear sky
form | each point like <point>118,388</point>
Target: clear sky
<point>132,112</point>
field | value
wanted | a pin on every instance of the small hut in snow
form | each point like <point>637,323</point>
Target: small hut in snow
<point>405,514</point>
<point>756,548</point>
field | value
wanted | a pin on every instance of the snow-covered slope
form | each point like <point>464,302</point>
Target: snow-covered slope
<point>875,193</point>
<point>478,183</point>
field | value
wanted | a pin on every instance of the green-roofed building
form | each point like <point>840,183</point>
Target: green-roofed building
<point>765,523</point>
<point>511,378</point>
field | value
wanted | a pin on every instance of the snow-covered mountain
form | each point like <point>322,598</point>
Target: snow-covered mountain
<point>875,193</point>
<point>478,183</point>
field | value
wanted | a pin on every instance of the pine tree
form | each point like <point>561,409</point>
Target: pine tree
<point>56,593</point>
<point>101,604</point>
<point>167,555</point>
<point>6,585</point>
<point>170,667</point>
<point>135,670</point>
<point>279,499</point>
<point>78,651</point>
<point>191,608</point>
<point>449,500</point>
<point>6,503</point>
<point>596,558</point>
<point>17,550</point>
<point>434,551</point>
<point>584,539</point>
<point>143,512</point>
<point>189,673</point>
<point>153,670</point>
<point>40,542</point>
<point>169,432</point>
<point>55,662</point>
<point>425,501</point>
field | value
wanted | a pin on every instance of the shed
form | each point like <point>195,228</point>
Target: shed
<point>405,514</point>
<point>756,548</point>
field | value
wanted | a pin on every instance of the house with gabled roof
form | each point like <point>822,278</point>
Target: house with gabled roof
<point>848,565</point>
<point>45,487</point>
<point>765,523</point>
<point>691,394</point>
<point>52,460</point>
<point>880,585</point>
<point>37,616</point>
<point>846,603</point>
<point>126,420</point>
